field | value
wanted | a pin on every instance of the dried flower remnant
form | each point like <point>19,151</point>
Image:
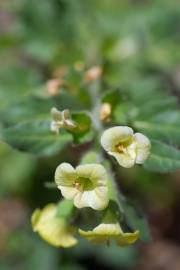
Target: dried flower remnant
<point>128,148</point>
<point>61,120</point>
<point>51,228</point>
<point>105,112</point>
<point>93,74</point>
<point>86,185</point>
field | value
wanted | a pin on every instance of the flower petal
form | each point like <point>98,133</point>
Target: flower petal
<point>68,241</point>
<point>68,192</point>
<point>124,160</point>
<point>99,198</point>
<point>127,238</point>
<point>115,135</point>
<point>52,229</point>
<point>90,199</point>
<point>108,229</point>
<point>91,236</point>
<point>104,232</point>
<point>143,147</point>
<point>95,172</point>
<point>65,175</point>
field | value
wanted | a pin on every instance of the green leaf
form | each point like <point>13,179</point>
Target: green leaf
<point>36,137</point>
<point>33,115</point>
<point>154,113</point>
<point>90,157</point>
<point>82,133</point>
<point>22,166</point>
<point>167,132</point>
<point>163,158</point>
<point>65,208</point>
<point>136,221</point>
<point>31,107</point>
<point>112,96</point>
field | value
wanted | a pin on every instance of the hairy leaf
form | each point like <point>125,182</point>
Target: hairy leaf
<point>163,158</point>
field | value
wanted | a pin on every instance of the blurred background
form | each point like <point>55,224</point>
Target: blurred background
<point>42,40</point>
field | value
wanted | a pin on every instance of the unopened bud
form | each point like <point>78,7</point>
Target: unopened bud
<point>93,73</point>
<point>105,112</point>
<point>53,86</point>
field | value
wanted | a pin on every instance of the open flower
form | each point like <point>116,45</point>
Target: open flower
<point>61,120</point>
<point>51,228</point>
<point>105,232</point>
<point>86,185</point>
<point>128,148</point>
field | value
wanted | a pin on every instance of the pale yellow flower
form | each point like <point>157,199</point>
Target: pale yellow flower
<point>86,185</point>
<point>61,120</point>
<point>128,148</point>
<point>51,228</point>
<point>105,232</point>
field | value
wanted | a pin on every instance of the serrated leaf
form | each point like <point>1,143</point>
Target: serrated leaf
<point>36,137</point>
<point>31,106</point>
<point>167,132</point>
<point>163,158</point>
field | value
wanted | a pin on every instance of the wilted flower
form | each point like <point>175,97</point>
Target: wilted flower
<point>105,232</point>
<point>128,148</point>
<point>61,120</point>
<point>51,228</point>
<point>105,112</point>
<point>86,184</point>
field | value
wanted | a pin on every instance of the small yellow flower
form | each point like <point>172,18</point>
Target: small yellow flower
<point>86,185</point>
<point>128,148</point>
<point>105,232</point>
<point>61,120</point>
<point>52,229</point>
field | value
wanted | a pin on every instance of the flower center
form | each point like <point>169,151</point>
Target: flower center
<point>83,183</point>
<point>120,148</point>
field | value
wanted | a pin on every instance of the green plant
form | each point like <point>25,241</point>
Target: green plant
<point>106,79</point>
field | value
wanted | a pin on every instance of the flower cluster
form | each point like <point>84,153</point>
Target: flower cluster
<point>89,185</point>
